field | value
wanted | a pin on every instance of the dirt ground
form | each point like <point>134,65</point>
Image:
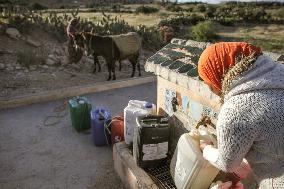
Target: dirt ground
<point>34,156</point>
<point>17,80</point>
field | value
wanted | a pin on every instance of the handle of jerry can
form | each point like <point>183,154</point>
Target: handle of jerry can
<point>101,115</point>
<point>118,118</point>
<point>106,128</point>
<point>78,98</point>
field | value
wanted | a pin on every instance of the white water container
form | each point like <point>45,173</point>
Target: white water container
<point>188,167</point>
<point>134,109</point>
<point>143,105</point>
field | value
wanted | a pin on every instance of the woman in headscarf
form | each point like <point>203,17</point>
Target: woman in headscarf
<point>75,55</point>
<point>72,27</point>
<point>251,120</point>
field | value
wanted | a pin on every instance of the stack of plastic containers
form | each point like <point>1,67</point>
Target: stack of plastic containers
<point>134,109</point>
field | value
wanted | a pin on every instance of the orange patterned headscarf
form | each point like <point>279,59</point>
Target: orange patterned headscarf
<point>216,60</point>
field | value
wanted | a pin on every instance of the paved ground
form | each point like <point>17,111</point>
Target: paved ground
<point>33,156</point>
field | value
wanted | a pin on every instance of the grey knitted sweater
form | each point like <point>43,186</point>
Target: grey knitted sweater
<point>251,124</point>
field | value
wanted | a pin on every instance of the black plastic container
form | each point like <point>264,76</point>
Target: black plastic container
<point>151,141</point>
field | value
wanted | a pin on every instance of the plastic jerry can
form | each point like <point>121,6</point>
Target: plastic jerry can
<point>117,129</point>
<point>188,167</point>
<point>151,141</point>
<point>142,105</point>
<point>79,113</point>
<point>100,120</point>
<point>134,109</point>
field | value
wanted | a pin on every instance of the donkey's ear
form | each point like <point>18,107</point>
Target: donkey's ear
<point>83,35</point>
<point>73,35</point>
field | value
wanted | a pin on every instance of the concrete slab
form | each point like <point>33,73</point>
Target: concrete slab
<point>132,176</point>
<point>34,156</point>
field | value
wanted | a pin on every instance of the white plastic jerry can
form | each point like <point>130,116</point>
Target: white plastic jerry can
<point>134,109</point>
<point>188,167</point>
<point>143,105</point>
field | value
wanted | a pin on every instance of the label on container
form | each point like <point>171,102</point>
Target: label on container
<point>155,151</point>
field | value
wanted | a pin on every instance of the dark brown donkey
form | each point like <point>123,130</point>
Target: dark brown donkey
<point>107,47</point>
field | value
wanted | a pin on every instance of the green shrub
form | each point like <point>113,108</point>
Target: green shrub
<point>151,37</point>
<point>182,20</point>
<point>194,19</point>
<point>175,22</point>
<point>174,8</point>
<point>210,10</point>
<point>200,8</point>
<point>190,9</point>
<point>204,31</point>
<point>227,21</point>
<point>146,9</point>
<point>21,22</point>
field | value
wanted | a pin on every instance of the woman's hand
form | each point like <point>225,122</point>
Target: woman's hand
<point>229,185</point>
<point>244,170</point>
<point>203,144</point>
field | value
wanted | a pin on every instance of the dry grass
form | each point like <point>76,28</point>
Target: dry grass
<point>134,6</point>
<point>267,31</point>
<point>268,36</point>
<point>131,18</point>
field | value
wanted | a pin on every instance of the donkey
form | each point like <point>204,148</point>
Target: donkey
<point>107,47</point>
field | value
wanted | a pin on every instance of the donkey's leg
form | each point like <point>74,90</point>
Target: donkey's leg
<point>119,61</point>
<point>138,64</point>
<point>95,63</point>
<point>133,63</point>
<point>109,69</point>
<point>99,65</point>
<point>113,70</point>
<point>139,69</point>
